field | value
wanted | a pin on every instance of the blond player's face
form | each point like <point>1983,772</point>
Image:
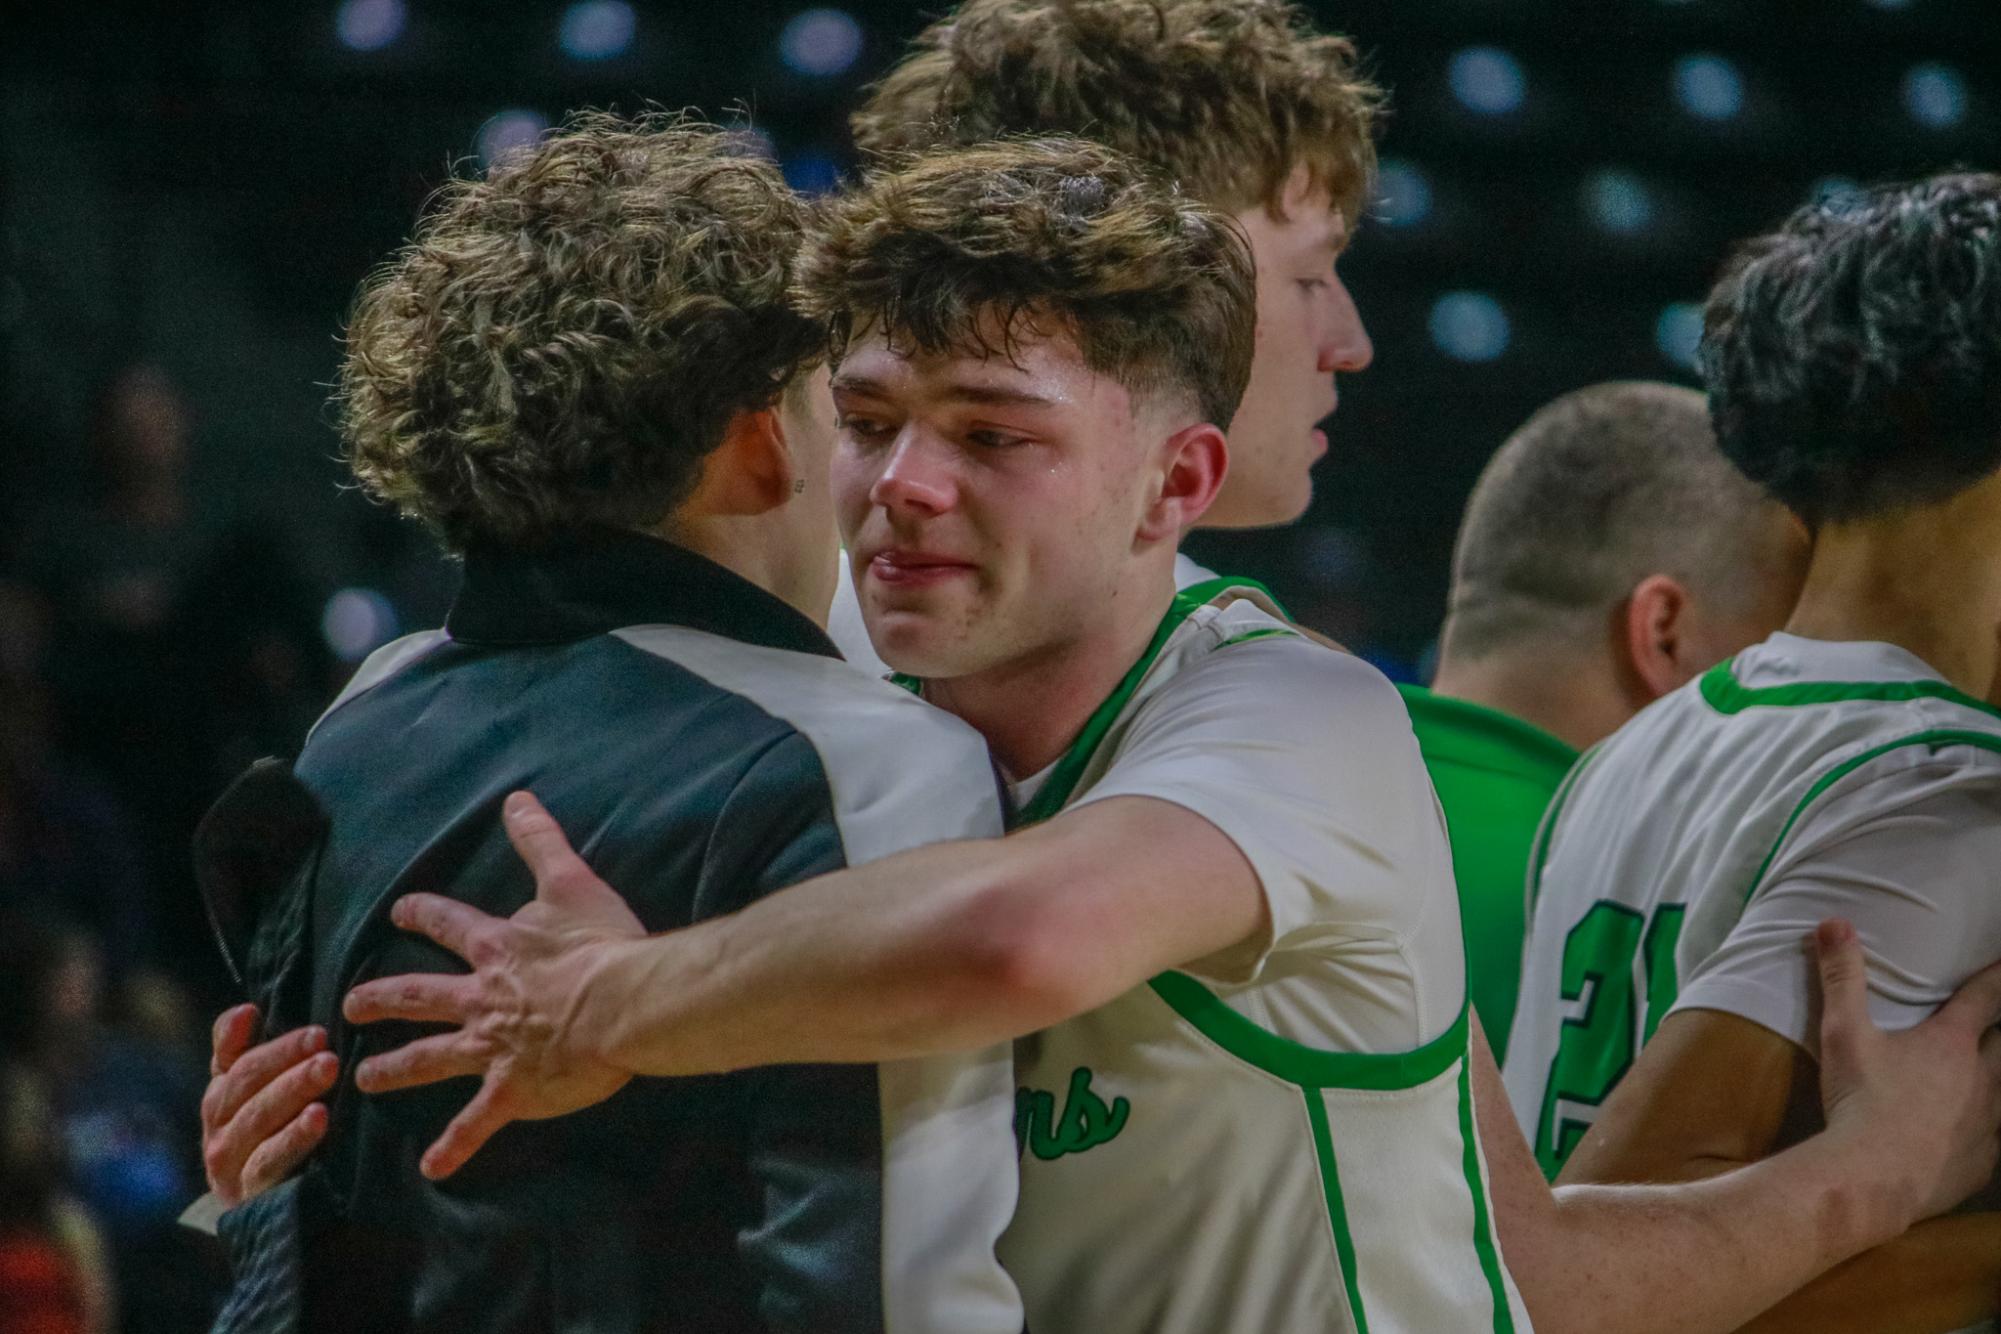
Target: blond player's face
<point>1308,330</point>
<point>989,505</point>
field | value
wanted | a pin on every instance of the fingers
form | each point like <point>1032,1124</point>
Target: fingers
<point>1977,1004</point>
<point>425,1061</point>
<point>234,1030</point>
<point>227,1152</point>
<point>280,1156</point>
<point>1844,988</point>
<point>440,998</point>
<point>253,1070</point>
<point>539,840</point>
<point>446,921</point>
<point>469,1130</point>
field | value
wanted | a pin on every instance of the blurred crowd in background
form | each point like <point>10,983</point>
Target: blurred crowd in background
<point>190,192</point>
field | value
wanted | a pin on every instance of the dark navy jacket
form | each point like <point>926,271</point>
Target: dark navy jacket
<point>702,746</point>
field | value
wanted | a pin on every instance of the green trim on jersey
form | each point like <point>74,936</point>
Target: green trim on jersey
<point>1483,1227</point>
<point>1934,739</point>
<point>1063,779</point>
<point>1539,856</point>
<point>1723,692</point>
<point>1266,632</point>
<point>1337,1206</point>
<point>1306,1066</point>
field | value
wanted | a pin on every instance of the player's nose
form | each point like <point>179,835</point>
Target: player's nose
<point>916,475</point>
<point>1347,347</point>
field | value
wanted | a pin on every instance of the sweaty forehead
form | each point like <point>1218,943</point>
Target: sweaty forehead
<point>1030,366</point>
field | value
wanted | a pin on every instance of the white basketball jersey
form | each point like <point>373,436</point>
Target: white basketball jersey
<point>1662,835</point>
<point>1289,1146</point>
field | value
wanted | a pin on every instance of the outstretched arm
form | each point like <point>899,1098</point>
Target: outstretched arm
<point>949,947</point>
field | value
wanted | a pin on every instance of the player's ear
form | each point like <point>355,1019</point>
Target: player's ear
<point>1657,640</point>
<point>1194,461</point>
<point>750,472</point>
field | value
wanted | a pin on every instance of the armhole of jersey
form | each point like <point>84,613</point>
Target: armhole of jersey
<point>1932,739</point>
<point>1296,1063</point>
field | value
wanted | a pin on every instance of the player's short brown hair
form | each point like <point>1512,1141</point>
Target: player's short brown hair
<point>1598,490</point>
<point>1228,97</point>
<point>965,249</point>
<point>566,339</point>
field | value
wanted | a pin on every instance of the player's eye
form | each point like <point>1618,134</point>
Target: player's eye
<point>990,439</point>
<point>862,428</point>
<point>1315,284</point>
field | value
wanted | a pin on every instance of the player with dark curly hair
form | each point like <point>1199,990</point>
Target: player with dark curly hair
<point>588,373</point>
<point>1848,766</point>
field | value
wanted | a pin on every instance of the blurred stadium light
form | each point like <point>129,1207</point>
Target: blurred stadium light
<point>820,42</point>
<point>1935,95</point>
<point>369,25</point>
<point>1708,87</point>
<point>1618,202</point>
<point>1678,332</point>
<point>1488,80</point>
<point>506,132</point>
<point>597,29</point>
<point>1470,326</point>
<point>1403,194</point>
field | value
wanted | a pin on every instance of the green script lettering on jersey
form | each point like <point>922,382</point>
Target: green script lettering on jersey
<point>1085,1123</point>
<point>1595,1050</point>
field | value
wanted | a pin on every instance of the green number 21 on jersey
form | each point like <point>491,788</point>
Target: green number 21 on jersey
<point>1594,1050</point>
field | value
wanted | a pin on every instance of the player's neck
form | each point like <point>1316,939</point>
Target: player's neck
<point>1032,707</point>
<point>758,548</point>
<point>1927,580</point>
<point>1576,705</point>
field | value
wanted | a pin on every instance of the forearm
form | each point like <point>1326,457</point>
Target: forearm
<point>1705,1255</point>
<point>944,948</point>
<point>1943,1274</point>
<point>909,956</point>
<point>1677,1258</point>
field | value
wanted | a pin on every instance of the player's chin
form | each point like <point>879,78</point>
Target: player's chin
<point>915,643</point>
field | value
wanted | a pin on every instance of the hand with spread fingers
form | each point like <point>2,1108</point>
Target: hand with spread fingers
<point>516,1011</point>
<point>261,1115</point>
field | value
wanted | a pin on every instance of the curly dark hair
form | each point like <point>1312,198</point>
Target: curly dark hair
<point>1853,356</point>
<point>565,340</point>
<point>965,249</point>
<point>1225,96</point>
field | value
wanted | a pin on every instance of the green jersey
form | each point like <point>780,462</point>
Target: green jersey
<point>1495,775</point>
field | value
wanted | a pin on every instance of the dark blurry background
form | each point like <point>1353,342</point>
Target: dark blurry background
<point>190,193</point>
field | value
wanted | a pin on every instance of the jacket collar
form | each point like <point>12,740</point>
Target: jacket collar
<point>596,580</point>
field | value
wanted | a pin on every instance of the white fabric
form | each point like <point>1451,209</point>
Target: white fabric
<point>1204,1212</point>
<point>846,628</point>
<point>1683,806</point>
<point>382,664</point>
<point>1305,758</point>
<point>902,774</point>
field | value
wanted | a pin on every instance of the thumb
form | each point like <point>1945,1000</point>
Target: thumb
<point>1844,990</point>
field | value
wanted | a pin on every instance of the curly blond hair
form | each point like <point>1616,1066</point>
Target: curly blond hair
<point>565,340</point>
<point>966,249</point>
<point>1228,97</point>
